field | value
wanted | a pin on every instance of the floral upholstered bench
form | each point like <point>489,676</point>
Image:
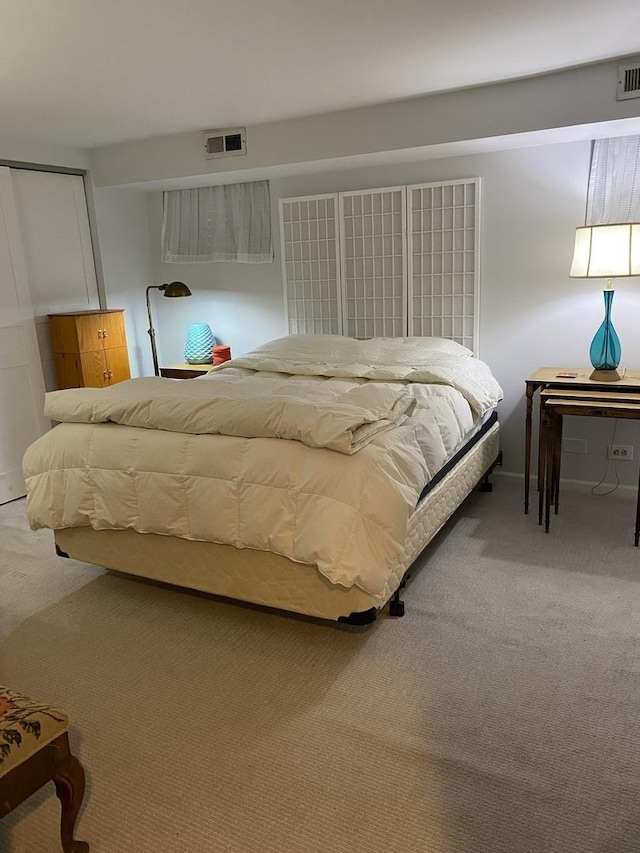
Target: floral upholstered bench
<point>34,750</point>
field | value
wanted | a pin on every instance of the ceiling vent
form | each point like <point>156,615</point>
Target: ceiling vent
<point>628,81</point>
<point>224,143</point>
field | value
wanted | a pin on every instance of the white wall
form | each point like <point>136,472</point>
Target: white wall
<point>243,303</point>
<point>532,313</point>
<point>126,262</point>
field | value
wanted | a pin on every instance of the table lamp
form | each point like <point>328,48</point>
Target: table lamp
<point>606,251</point>
<point>173,289</point>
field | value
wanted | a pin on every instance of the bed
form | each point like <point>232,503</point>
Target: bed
<point>307,475</point>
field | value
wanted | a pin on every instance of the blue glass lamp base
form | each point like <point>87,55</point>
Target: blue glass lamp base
<point>605,351</point>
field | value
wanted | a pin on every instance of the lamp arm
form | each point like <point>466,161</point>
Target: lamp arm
<point>151,331</point>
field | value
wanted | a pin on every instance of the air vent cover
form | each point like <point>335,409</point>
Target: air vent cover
<point>628,81</point>
<point>224,143</point>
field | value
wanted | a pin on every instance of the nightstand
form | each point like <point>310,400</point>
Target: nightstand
<point>185,371</point>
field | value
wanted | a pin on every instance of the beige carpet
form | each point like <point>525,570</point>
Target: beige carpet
<point>501,715</point>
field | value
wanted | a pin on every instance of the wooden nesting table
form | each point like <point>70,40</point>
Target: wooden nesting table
<point>567,379</point>
<point>555,403</point>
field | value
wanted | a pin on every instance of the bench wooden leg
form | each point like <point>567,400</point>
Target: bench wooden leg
<point>68,777</point>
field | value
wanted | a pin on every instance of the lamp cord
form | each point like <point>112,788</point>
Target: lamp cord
<point>606,470</point>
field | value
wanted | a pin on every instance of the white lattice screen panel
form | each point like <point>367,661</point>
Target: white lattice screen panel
<point>309,238</point>
<point>443,259</point>
<point>373,262</point>
<point>384,262</point>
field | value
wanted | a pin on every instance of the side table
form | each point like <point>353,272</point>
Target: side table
<point>576,378</point>
<point>185,371</point>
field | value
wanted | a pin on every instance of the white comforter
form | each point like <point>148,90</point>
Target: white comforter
<point>346,514</point>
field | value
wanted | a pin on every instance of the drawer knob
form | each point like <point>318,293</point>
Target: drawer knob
<point>104,333</point>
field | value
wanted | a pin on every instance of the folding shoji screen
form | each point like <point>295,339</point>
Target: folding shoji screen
<point>408,261</point>
<point>309,241</point>
<point>373,262</point>
<point>443,243</point>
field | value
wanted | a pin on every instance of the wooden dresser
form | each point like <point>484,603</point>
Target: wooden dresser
<point>89,348</point>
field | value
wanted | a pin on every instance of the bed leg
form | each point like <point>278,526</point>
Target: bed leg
<point>396,605</point>
<point>485,484</point>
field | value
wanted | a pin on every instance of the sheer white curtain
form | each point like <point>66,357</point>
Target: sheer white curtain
<point>614,181</point>
<point>225,223</point>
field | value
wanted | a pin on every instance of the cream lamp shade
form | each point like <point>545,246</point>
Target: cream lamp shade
<point>607,251</point>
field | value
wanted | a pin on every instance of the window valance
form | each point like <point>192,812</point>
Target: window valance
<point>614,181</point>
<point>223,223</point>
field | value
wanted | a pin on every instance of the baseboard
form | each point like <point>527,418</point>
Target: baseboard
<point>572,485</point>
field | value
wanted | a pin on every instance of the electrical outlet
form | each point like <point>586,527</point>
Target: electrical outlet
<point>620,451</point>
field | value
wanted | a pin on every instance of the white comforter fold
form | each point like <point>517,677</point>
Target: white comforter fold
<point>346,422</point>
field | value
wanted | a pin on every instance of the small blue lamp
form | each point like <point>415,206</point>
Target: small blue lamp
<point>197,349</point>
<point>606,251</point>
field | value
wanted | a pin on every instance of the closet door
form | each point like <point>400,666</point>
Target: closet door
<point>373,262</point>
<point>21,382</point>
<point>309,244</point>
<point>443,253</point>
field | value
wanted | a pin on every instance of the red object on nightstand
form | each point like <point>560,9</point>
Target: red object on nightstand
<point>220,354</point>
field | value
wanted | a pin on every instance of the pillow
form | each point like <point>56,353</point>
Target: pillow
<point>332,348</point>
<point>421,345</point>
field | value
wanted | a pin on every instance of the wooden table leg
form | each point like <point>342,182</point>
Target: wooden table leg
<point>557,463</point>
<point>527,446</point>
<point>549,468</point>
<point>542,457</point>
<point>540,463</point>
<point>637,534</point>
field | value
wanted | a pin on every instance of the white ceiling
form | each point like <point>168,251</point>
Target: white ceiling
<point>88,73</point>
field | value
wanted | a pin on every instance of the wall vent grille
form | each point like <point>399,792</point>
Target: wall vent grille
<point>628,81</point>
<point>225,143</point>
